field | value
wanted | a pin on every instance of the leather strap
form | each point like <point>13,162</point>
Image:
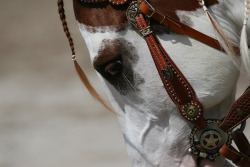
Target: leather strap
<point>236,157</point>
<point>241,142</point>
<point>238,112</point>
<point>177,86</point>
<point>179,27</point>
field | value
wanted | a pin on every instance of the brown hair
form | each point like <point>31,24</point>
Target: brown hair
<point>79,70</point>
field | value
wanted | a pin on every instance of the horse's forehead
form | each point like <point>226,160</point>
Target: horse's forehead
<point>104,14</point>
<point>97,15</point>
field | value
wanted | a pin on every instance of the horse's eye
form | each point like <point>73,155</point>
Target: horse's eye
<point>113,68</point>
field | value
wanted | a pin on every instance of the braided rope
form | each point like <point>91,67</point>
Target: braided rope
<point>61,12</point>
<point>79,70</point>
<point>222,38</point>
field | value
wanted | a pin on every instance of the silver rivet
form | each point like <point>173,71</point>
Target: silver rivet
<point>239,112</point>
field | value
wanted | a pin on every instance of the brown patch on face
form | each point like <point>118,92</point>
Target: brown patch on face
<point>100,14</point>
<point>105,14</point>
<point>119,50</point>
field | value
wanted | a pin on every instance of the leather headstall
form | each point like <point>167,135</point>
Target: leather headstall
<point>210,142</point>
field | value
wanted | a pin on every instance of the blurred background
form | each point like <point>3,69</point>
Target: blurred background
<point>47,118</point>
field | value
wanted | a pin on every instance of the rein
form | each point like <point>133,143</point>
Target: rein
<point>210,144</point>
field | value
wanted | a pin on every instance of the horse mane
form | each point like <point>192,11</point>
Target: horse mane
<point>243,40</point>
<point>79,70</point>
<point>244,65</point>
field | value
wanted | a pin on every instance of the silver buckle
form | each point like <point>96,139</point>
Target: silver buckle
<point>146,31</point>
<point>151,8</point>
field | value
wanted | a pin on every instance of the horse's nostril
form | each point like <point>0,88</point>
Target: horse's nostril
<point>114,68</point>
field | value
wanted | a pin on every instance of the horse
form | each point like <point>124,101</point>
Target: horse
<point>155,133</point>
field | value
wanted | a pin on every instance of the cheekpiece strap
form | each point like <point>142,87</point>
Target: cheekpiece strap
<point>177,86</point>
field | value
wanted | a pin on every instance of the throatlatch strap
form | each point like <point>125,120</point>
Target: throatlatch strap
<point>179,27</point>
<point>238,112</point>
<point>177,86</point>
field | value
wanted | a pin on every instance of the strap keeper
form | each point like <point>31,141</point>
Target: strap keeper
<point>146,31</point>
<point>163,19</point>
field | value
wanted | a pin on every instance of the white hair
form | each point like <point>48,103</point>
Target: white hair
<point>243,40</point>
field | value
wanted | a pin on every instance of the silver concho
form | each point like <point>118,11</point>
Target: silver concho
<point>168,73</point>
<point>133,11</point>
<point>210,139</point>
<point>209,143</point>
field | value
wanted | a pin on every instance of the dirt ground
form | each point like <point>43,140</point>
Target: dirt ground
<point>47,119</point>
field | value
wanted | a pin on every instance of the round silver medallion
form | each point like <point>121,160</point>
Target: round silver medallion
<point>210,139</point>
<point>206,144</point>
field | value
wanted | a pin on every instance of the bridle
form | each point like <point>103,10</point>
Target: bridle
<point>210,143</point>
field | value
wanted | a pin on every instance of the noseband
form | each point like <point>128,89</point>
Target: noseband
<point>209,144</point>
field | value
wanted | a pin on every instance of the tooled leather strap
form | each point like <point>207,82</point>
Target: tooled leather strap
<point>179,27</point>
<point>177,86</point>
<point>238,112</point>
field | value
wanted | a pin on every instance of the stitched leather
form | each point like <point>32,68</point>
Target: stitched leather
<point>238,112</point>
<point>178,88</point>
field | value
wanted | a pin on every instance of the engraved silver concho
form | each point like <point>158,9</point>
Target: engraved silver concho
<point>206,144</point>
<point>133,11</point>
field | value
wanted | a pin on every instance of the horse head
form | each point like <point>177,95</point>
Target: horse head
<point>153,129</point>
